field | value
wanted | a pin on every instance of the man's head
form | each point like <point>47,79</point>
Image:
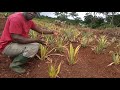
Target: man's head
<point>29,15</point>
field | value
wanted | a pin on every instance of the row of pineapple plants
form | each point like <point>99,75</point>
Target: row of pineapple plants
<point>68,34</point>
<point>71,53</point>
<point>54,70</point>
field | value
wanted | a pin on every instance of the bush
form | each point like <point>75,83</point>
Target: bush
<point>106,25</point>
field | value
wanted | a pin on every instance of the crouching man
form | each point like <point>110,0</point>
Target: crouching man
<point>15,41</point>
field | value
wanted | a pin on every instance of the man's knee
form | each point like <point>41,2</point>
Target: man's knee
<point>36,46</point>
<point>31,50</point>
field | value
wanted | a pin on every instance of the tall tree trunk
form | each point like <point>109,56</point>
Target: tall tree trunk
<point>94,16</point>
<point>111,23</point>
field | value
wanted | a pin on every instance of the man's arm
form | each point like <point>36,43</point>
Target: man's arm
<point>19,39</point>
<point>43,30</point>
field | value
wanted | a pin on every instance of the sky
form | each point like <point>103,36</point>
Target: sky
<point>81,14</point>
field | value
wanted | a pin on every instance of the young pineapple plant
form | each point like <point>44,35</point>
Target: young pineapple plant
<point>72,54</point>
<point>86,39</point>
<point>59,45</point>
<point>70,34</point>
<point>33,34</point>
<point>75,35</point>
<point>113,40</point>
<point>115,58</point>
<point>102,44</point>
<point>53,69</point>
<point>118,46</point>
<point>115,55</point>
<point>50,40</point>
<point>43,52</point>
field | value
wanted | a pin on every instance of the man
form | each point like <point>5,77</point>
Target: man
<point>15,41</point>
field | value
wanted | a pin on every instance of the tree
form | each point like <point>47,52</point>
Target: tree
<point>74,15</point>
<point>93,16</point>
<point>111,18</point>
<point>38,14</point>
<point>57,13</point>
<point>116,20</point>
<point>62,15</point>
<point>88,18</point>
<point>92,20</point>
<point>113,13</point>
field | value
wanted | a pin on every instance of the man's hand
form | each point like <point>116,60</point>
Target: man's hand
<point>55,33</point>
<point>41,36</point>
<point>43,42</point>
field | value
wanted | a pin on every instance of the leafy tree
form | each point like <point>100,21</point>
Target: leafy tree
<point>108,18</point>
<point>62,15</point>
<point>74,15</point>
<point>92,20</point>
<point>115,20</point>
<point>88,18</point>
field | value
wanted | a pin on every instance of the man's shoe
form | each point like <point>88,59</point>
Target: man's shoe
<point>18,69</point>
<point>17,62</point>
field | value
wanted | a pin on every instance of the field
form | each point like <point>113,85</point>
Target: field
<point>90,64</point>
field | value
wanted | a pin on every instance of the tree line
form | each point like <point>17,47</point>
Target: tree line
<point>91,19</point>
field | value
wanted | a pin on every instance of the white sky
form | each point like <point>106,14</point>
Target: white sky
<point>81,14</point>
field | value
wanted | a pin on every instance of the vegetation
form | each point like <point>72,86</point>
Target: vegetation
<point>59,45</point>
<point>53,69</point>
<point>116,58</point>
<point>72,54</point>
<point>102,44</point>
<point>86,39</point>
